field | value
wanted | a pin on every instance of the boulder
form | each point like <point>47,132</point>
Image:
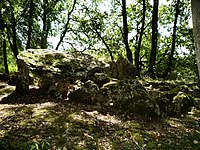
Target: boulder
<point>58,64</point>
<point>182,103</point>
<point>85,93</point>
<point>164,102</point>
<point>127,96</point>
<point>175,103</point>
<point>75,66</point>
<point>56,68</point>
<point>98,75</point>
<point>122,69</point>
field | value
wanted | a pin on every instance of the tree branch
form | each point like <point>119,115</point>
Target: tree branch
<point>66,26</point>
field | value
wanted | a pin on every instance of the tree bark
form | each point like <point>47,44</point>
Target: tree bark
<point>14,36</point>
<point>125,35</point>
<point>66,26</point>
<point>171,56</point>
<point>196,29</point>
<point>2,27</point>
<point>152,61</point>
<point>45,28</point>
<point>30,24</point>
<point>14,33</point>
<point>46,20</point>
<point>5,57</point>
<point>137,51</point>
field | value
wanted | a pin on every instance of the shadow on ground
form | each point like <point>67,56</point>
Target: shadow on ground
<point>66,125</point>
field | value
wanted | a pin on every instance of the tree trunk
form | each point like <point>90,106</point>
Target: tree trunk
<point>45,20</point>
<point>14,33</point>
<point>2,27</point>
<point>171,56</point>
<point>125,35</point>
<point>5,57</point>
<point>14,36</point>
<point>137,51</point>
<point>196,29</point>
<point>30,24</point>
<point>66,26</point>
<point>152,61</point>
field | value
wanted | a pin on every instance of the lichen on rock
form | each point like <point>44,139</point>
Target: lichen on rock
<point>175,103</point>
<point>182,103</point>
<point>59,64</point>
<point>129,96</point>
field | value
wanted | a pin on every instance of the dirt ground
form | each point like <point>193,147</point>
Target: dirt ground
<point>37,121</point>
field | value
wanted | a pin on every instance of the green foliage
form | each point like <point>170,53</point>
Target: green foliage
<point>39,145</point>
<point>11,62</point>
<point>95,22</point>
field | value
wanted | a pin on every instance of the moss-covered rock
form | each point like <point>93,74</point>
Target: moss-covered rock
<point>57,64</point>
<point>164,101</point>
<point>175,103</point>
<point>182,103</point>
<point>127,96</point>
<point>98,75</point>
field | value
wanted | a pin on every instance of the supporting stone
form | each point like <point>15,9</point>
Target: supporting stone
<point>22,86</point>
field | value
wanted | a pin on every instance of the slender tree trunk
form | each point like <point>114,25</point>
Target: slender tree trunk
<point>196,29</point>
<point>152,61</point>
<point>30,24</point>
<point>104,42</point>
<point>171,56</point>
<point>5,57</point>
<point>2,27</point>
<point>14,33</point>
<point>14,36</point>
<point>66,26</point>
<point>44,36</point>
<point>137,51</point>
<point>125,28</point>
<point>46,20</point>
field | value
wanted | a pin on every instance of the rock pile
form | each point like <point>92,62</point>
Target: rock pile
<point>82,78</point>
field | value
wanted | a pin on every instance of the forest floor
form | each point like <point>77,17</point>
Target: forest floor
<point>39,122</point>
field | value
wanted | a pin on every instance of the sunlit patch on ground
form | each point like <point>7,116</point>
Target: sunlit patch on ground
<point>5,90</point>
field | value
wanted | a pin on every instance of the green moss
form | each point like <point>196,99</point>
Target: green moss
<point>182,103</point>
<point>151,145</point>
